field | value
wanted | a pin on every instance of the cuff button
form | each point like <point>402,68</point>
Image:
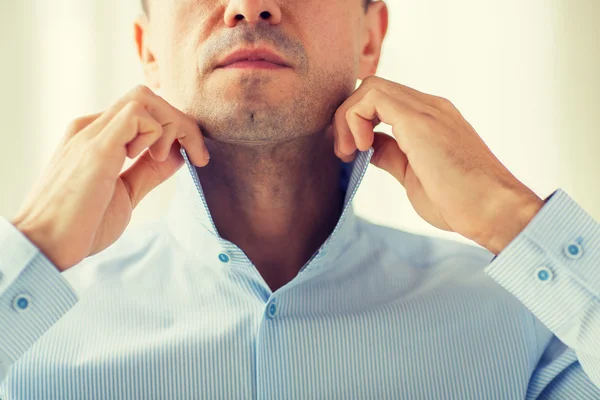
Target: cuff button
<point>21,302</point>
<point>573,251</point>
<point>544,274</point>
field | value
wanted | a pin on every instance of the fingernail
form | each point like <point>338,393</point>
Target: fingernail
<point>206,154</point>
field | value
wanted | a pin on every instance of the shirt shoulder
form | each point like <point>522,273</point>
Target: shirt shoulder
<point>421,250</point>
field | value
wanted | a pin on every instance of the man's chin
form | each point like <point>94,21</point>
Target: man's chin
<point>253,87</point>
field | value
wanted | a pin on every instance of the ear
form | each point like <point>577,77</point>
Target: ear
<point>375,28</point>
<point>142,36</point>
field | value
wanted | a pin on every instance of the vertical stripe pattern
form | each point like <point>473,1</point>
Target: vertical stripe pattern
<point>174,311</point>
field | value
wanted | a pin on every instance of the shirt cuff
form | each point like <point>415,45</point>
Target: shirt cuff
<point>33,294</point>
<point>553,265</point>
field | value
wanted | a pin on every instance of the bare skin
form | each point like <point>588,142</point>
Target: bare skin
<point>272,183</point>
<point>281,208</point>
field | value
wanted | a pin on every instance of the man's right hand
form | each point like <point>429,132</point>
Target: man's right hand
<point>83,203</point>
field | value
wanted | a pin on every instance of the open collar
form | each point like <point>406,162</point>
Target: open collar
<point>191,223</point>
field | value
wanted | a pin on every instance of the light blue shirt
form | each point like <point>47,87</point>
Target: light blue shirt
<point>174,311</point>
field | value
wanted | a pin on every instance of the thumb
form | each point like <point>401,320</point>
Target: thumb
<point>146,173</point>
<point>389,157</point>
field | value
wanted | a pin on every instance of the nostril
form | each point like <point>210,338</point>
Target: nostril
<point>265,15</point>
<point>239,17</point>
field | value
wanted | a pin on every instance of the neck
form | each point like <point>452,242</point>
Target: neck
<point>277,202</point>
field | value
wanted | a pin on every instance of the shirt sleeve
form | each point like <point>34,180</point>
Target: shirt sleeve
<point>553,268</point>
<point>33,295</point>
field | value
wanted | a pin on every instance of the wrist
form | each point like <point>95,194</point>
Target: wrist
<point>510,216</point>
<point>39,238</point>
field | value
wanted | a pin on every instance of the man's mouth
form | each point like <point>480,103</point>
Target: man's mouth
<point>258,58</point>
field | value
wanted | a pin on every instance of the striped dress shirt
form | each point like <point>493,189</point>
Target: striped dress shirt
<point>174,311</point>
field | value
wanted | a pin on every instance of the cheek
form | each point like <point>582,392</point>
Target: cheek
<point>332,43</point>
<point>177,58</point>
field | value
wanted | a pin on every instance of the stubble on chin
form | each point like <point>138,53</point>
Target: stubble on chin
<point>253,119</point>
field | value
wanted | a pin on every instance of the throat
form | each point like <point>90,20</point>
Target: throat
<point>277,205</point>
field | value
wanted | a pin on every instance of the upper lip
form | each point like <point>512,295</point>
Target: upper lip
<point>257,54</point>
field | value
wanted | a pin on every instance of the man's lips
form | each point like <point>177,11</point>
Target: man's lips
<point>253,58</point>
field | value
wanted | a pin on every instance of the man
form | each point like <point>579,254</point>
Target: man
<point>261,282</point>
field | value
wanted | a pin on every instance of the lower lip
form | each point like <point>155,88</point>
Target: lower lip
<point>254,65</point>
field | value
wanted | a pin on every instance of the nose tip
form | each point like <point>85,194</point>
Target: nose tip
<point>265,15</point>
<point>253,11</point>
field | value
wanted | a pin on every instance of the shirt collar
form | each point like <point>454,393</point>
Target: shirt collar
<point>191,223</point>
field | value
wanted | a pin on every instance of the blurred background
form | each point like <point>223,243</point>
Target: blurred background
<point>523,73</point>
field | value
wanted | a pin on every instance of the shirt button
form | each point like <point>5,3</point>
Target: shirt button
<point>272,309</point>
<point>573,251</point>
<point>544,274</point>
<point>21,302</point>
<point>224,257</point>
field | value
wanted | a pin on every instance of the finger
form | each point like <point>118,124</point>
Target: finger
<point>78,125</point>
<point>139,93</point>
<point>365,114</point>
<point>403,118</point>
<point>145,174</point>
<point>164,137</point>
<point>389,157</point>
<point>360,121</point>
<point>178,126</point>
<point>161,148</point>
<point>344,157</point>
<point>193,141</point>
<point>345,141</point>
<point>133,124</point>
<point>419,100</point>
<point>187,130</point>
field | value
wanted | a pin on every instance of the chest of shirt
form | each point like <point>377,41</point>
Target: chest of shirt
<point>222,335</point>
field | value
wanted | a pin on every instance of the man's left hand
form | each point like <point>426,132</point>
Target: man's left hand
<point>451,177</point>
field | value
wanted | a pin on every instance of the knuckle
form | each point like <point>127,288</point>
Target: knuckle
<point>76,125</point>
<point>428,123</point>
<point>157,131</point>
<point>171,130</point>
<point>443,103</point>
<point>134,107</point>
<point>373,93</point>
<point>370,79</point>
<point>141,90</point>
<point>348,113</point>
<point>431,113</point>
<point>164,135</point>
